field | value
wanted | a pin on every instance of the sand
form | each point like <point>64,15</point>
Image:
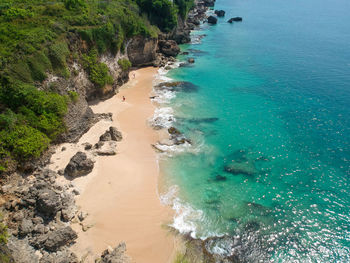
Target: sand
<point>121,194</point>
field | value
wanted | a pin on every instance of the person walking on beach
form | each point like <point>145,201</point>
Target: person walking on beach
<point>123,98</point>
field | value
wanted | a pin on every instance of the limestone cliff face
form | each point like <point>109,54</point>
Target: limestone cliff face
<point>142,51</point>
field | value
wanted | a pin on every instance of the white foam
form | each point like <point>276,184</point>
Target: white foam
<point>173,149</point>
<point>163,96</point>
<point>185,216</point>
<point>163,117</point>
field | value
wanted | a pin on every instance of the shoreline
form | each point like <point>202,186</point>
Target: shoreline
<point>120,195</point>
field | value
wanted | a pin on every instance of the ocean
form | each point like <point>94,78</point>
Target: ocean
<point>266,107</point>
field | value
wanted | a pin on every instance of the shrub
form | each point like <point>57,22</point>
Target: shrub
<point>58,53</point>
<point>161,12</point>
<point>73,95</point>
<point>74,4</point>
<point>98,72</point>
<point>124,63</point>
<point>39,64</point>
<point>24,142</point>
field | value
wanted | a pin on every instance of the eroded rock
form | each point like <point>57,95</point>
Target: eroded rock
<point>79,165</point>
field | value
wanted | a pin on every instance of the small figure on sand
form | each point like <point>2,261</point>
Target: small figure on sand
<point>123,98</point>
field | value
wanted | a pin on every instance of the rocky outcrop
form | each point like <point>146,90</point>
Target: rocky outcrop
<point>111,134</point>
<point>116,255</point>
<point>212,20</point>
<point>168,47</point>
<point>79,165</point>
<point>142,51</point>
<point>235,19</point>
<point>220,13</point>
<point>209,3</point>
<point>34,215</point>
<point>54,240</point>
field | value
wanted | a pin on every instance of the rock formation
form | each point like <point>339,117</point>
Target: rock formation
<point>235,19</point>
<point>212,20</point>
<point>79,165</point>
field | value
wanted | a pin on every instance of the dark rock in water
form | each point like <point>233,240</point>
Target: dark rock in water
<point>54,240</point>
<point>190,60</point>
<point>203,120</point>
<point>178,86</point>
<point>220,13</point>
<point>212,20</point>
<point>48,202</point>
<point>115,134</point>
<point>185,53</point>
<point>106,137</point>
<point>197,52</point>
<point>220,178</point>
<point>185,65</point>
<point>174,131</point>
<point>79,165</point>
<point>169,47</point>
<point>117,255</point>
<point>235,19</point>
<point>246,168</point>
<point>179,141</point>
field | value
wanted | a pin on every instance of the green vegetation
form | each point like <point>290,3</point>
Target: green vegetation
<point>98,72</point>
<point>124,63</point>
<point>73,95</point>
<point>38,38</point>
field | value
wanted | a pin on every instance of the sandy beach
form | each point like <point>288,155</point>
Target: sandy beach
<point>121,194</point>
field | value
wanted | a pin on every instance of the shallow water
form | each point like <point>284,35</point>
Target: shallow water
<point>269,122</point>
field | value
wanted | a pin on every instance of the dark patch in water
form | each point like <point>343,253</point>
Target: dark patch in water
<point>197,52</point>
<point>199,120</point>
<point>252,226</point>
<point>220,178</point>
<point>186,65</point>
<point>178,86</point>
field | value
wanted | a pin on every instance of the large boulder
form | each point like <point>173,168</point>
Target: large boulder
<point>142,51</point>
<point>235,19</point>
<point>220,13</point>
<point>212,20</point>
<point>79,165</point>
<point>116,255</point>
<point>168,47</point>
<point>56,239</point>
<point>115,134</point>
<point>48,202</point>
<point>64,256</point>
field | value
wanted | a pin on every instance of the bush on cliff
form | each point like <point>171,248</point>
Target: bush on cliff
<point>98,71</point>
<point>163,13</point>
<point>125,64</point>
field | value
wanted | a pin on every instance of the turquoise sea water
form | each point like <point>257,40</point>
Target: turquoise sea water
<point>270,100</point>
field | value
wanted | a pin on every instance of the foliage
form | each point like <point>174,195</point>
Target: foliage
<point>73,95</point>
<point>74,4</point>
<point>161,12</point>
<point>24,142</point>
<point>32,119</point>
<point>98,71</point>
<point>124,63</point>
<point>184,7</point>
